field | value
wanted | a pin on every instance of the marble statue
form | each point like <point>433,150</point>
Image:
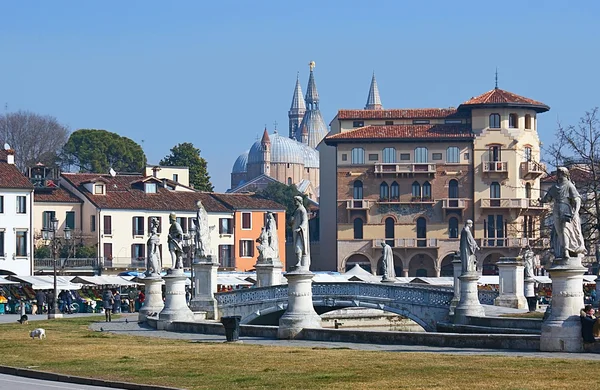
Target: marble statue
<point>271,229</point>
<point>268,248</point>
<point>202,232</point>
<point>175,240</point>
<point>528,262</point>
<point>468,246</point>
<point>567,237</point>
<point>153,259</point>
<point>300,237</point>
<point>389,272</point>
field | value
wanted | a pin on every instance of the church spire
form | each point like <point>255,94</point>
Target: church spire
<point>312,96</point>
<point>297,109</point>
<point>312,129</point>
<point>373,100</point>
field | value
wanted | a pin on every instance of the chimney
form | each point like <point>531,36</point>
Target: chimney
<point>155,171</point>
<point>10,156</point>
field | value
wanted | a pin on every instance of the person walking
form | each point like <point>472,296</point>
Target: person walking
<point>132,296</point>
<point>40,297</point>
<point>108,300</point>
<point>117,302</point>
<point>68,301</point>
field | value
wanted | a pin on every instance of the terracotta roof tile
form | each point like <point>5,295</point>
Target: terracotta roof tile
<point>248,201</point>
<point>500,96</point>
<point>411,113</point>
<point>403,132</point>
<point>10,176</point>
<point>58,194</point>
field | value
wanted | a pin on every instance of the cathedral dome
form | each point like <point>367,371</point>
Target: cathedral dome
<point>283,150</point>
<point>240,165</point>
<point>311,157</point>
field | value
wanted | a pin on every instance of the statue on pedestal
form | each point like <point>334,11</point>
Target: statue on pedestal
<point>202,233</point>
<point>301,236</point>
<point>268,248</point>
<point>468,246</point>
<point>528,263</point>
<point>175,241</point>
<point>153,259</point>
<point>567,237</point>
<point>389,273</point>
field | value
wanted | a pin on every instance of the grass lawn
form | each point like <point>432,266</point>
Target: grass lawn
<point>71,348</point>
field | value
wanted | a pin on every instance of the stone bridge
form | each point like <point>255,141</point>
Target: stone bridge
<point>426,305</point>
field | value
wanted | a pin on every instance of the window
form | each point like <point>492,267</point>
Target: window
<point>289,181</point>
<point>453,121</point>
<point>225,226</point>
<point>528,222</point>
<point>494,228</point>
<point>1,204</point>
<point>344,157</point>
<point>21,205</point>
<point>495,190</point>
<point>358,229</point>
<point>107,247</point>
<point>358,156</point>
<point>358,124</point>
<point>137,226</point>
<point>426,190</point>
<point>151,188</point>
<point>373,156</point>
<point>436,156</point>
<point>183,222</point>
<point>92,223</point>
<point>107,225</point>
<point>176,178</point>
<point>47,217</point>
<point>395,191</point>
<point>421,154</point>
<point>389,231</point>
<point>453,155</point>
<point>70,220</point>
<point>246,248</point>
<point>357,190</point>
<point>495,121</point>
<point>416,190</point>
<point>453,189</point>
<point>159,227</point>
<point>528,122</point>
<point>421,232</point>
<point>389,155</point>
<point>137,252</point>
<point>226,256</point>
<point>246,221</point>
<point>98,189</point>
<point>527,153</point>
<point>384,191</point>
<point>513,121</point>
<point>21,243</point>
<point>495,153</point>
<point>2,243</point>
<point>453,227</point>
<point>389,123</point>
<point>404,156</point>
<point>528,190</point>
<point>420,121</point>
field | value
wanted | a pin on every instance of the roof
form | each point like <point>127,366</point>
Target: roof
<point>403,132</point>
<point>10,176</point>
<point>248,201</point>
<point>579,175</point>
<point>58,195</point>
<point>410,113</point>
<point>500,97</point>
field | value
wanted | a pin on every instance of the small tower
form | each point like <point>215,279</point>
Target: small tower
<point>297,109</point>
<point>304,136</point>
<point>312,123</point>
<point>373,100</point>
<point>266,146</point>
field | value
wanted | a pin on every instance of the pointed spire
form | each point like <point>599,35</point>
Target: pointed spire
<point>297,99</point>
<point>373,100</point>
<point>265,137</point>
<point>312,96</point>
<point>496,78</point>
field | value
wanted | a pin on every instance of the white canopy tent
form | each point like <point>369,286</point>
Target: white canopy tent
<point>357,273</point>
<point>46,282</point>
<point>102,281</point>
<point>6,281</point>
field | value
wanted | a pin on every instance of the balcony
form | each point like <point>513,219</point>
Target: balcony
<point>412,200</point>
<point>504,203</point>
<point>125,262</point>
<point>66,264</point>
<point>514,242</point>
<point>407,242</point>
<point>408,169</point>
<point>491,167</point>
<point>536,207</point>
<point>532,170</point>
<point>454,203</point>
<point>358,204</point>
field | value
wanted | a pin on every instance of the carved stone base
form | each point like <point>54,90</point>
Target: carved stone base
<point>300,312</point>
<point>529,287</point>
<point>153,303</point>
<point>469,305</point>
<point>205,285</point>
<point>176,308</point>
<point>511,285</point>
<point>268,274</point>
<point>457,269</point>
<point>562,330</point>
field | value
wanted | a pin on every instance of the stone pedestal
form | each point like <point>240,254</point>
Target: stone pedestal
<point>387,280</point>
<point>469,305</point>
<point>457,269</point>
<point>511,283</point>
<point>153,303</point>
<point>300,312</point>
<point>529,287</point>
<point>205,286</point>
<point>561,331</point>
<point>176,308</point>
<point>268,274</point>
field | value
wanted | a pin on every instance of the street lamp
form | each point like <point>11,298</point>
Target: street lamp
<point>49,233</point>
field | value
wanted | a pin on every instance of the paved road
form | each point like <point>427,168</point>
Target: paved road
<point>10,382</point>
<point>8,318</point>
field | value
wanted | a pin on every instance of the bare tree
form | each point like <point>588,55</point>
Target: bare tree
<point>35,138</point>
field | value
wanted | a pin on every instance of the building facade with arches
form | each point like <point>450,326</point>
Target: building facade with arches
<point>413,177</point>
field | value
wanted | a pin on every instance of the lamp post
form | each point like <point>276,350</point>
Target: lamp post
<point>49,233</point>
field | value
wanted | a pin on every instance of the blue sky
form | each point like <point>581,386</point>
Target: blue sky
<point>214,73</point>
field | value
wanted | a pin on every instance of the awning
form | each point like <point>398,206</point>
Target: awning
<point>45,282</point>
<point>6,281</point>
<point>231,280</point>
<point>102,281</point>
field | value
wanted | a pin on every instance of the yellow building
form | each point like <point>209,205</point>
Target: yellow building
<point>413,177</point>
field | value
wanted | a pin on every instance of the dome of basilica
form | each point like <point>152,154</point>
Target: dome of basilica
<point>240,164</point>
<point>284,150</point>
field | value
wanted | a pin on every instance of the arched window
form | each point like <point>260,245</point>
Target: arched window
<point>495,190</point>
<point>528,190</point>
<point>528,122</point>
<point>384,191</point>
<point>421,232</point>
<point>453,227</point>
<point>389,155</point>
<point>395,191</point>
<point>495,121</point>
<point>452,155</point>
<point>527,153</point>
<point>495,153</point>
<point>357,192</point>
<point>289,181</point>
<point>358,156</point>
<point>453,189</point>
<point>358,229</point>
<point>416,190</point>
<point>513,121</point>
<point>421,154</point>
<point>426,190</point>
<point>389,231</point>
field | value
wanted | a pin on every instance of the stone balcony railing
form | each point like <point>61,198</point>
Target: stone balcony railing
<point>404,168</point>
<point>532,169</point>
<point>495,167</point>
<point>407,242</point>
<point>512,203</point>
<point>358,204</point>
<point>521,242</point>
<point>454,203</point>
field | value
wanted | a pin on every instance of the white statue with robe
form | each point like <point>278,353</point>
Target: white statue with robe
<point>268,245</point>
<point>153,259</point>
<point>202,233</point>
<point>468,246</point>
<point>301,238</point>
<point>388,271</point>
<point>528,263</point>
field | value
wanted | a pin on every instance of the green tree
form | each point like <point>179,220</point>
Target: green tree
<point>186,155</point>
<point>90,150</point>
<point>282,194</point>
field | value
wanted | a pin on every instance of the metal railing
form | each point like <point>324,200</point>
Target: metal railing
<point>124,262</point>
<point>414,168</point>
<point>71,263</point>
<point>495,166</point>
<point>407,242</point>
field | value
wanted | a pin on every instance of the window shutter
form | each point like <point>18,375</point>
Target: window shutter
<point>241,249</point>
<point>45,219</point>
<point>133,226</point>
<point>133,251</point>
<point>251,250</point>
<point>143,250</point>
<point>159,224</point>
<point>149,224</point>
